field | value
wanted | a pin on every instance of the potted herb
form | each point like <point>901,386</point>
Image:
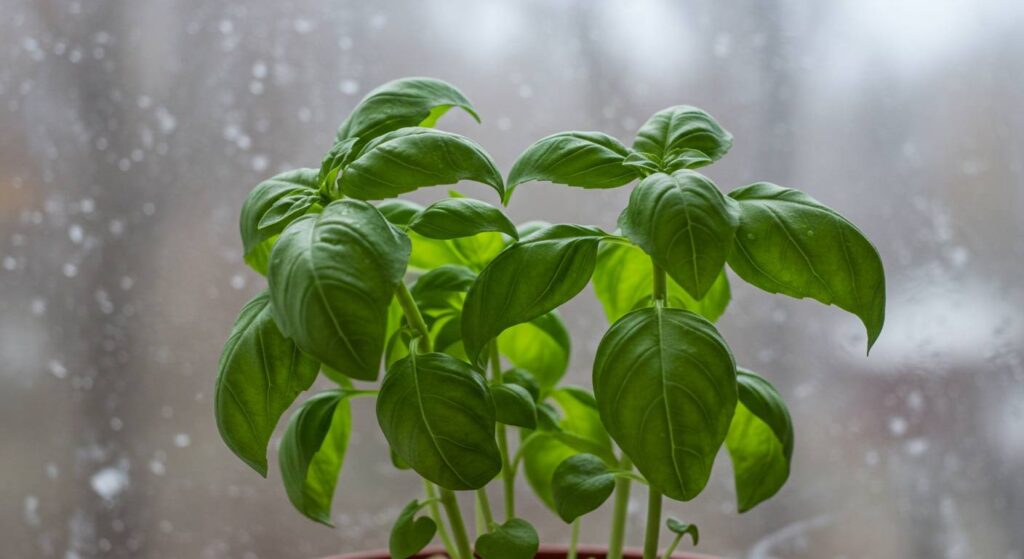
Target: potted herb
<point>459,306</point>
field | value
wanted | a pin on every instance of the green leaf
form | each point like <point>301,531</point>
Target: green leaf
<point>641,164</point>
<point>437,288</point>
<point>412,158</point>
<point>437,414</point>
<point>790,243</point>
<point>584,159</point>
<point>760,441</point>
<point>398,211</point>
<point>453,218</point>
<point>410,535</point>
<point>515,539</point>
<point>523,378</point>
<point>531,227</point>
<point>333,162</point>
<point>685,224</point>
<point>560,260</point>
<point>541,346</point>
<point>258,237</point>
<point>513,405</point>
<point>672,135</point>
<point>681,529</point>
<point>261,373</point>
<point>580,485</point>
<point>624,279</point>
<point>402,103</point>
<point>332,277</point>
<point>665,383</point>
<point>312,452</point>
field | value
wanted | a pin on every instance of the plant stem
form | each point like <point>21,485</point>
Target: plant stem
<point>672,548</point>
<point>451,507</point>
<point>574,538</point>
<point>621,507</point>
<point>653,523</point>
<point>660,286</point>
<point>435,514</point>
<point>412,314</point>
<point>484,506</point>
<point>508,475</point>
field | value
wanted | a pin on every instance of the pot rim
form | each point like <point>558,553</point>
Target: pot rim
<point>582,551</point>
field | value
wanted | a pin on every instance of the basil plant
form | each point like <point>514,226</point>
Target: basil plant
<point>459,307</point>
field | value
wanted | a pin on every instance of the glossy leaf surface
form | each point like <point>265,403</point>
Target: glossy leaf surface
<point>665,384</point>
<point>515,539</point>
<point>760,441</point>
<point>541,346</point>
<point>670,136</point>
<point>560,260</point>
<point>580,485</point>
<point>313,450</point>
<point>514,405</point>
<point>686,226</point>
<point>584,159</point>
<point>257,240</point>
<point>261,374</point>
<point>410,535</point>
<point>790,243</point>
<point>454,218</point>
<point>437,414</point>
<point>332,276</point>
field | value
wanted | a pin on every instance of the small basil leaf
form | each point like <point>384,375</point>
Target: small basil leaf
<point>287,209</point>
<point>261,373</point>
<point>513,405</point>
<point>312,452</point>
<point>547,417</point>
<point>257,241</point>
<point>671,132</point>
<point>335,159</point>
<point>584,159</point>
<point>453,218</point>
<point>541,346</point>
<point>412,158</point>
<point>580,485</point>
<point>665,383</point>
<point>681,529</point>
<point>685,224</point>
<point>398,211</point>
<point>623,281</point>
<point>402,103</point>
<point>437,414</point>
<point>760,441</point>
<point>410,535</point>
<point>435,289</point>
<point>686,159</point>
<point>641,164</point>
<point>515,539</point>
<point>790,243</point>
<point>332,277</point>
<point>560,260</point>
<point>523,378</point>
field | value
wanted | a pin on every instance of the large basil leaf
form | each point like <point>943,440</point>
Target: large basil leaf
<point>624,279</point>
<point>279,194</point>
<point>665,383</point>
<point>685,224</point>
<point>790,243</point>
<point>515,539</point>
<point>437,414</point>
<point>682,137</point>
<point>541,346</point>
<point>332,276</point>
<point>453,218</point>
<point>580,485</point>
<point>402,103</point>
<point>559,260</point>
<point>412,158</point>
<point>312,452</point>
<point>585,159</point>
<point>261,374</point>
<point>514,405</point>
<point>760,441</point>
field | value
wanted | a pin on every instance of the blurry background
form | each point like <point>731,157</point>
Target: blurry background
<point>130,133</point>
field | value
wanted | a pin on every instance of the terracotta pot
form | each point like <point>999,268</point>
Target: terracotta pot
<point>546,552</point>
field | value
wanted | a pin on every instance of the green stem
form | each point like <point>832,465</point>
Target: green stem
<point>435,514</point>
<point>508,475</point>
<point>660,286</point>
<point>653,523</point>
<point>483,503</point>
<point>412,315</point>
<point>451,507</point>
<point>672,548</point>
<point>574,539</point>
<point>619,510</point>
